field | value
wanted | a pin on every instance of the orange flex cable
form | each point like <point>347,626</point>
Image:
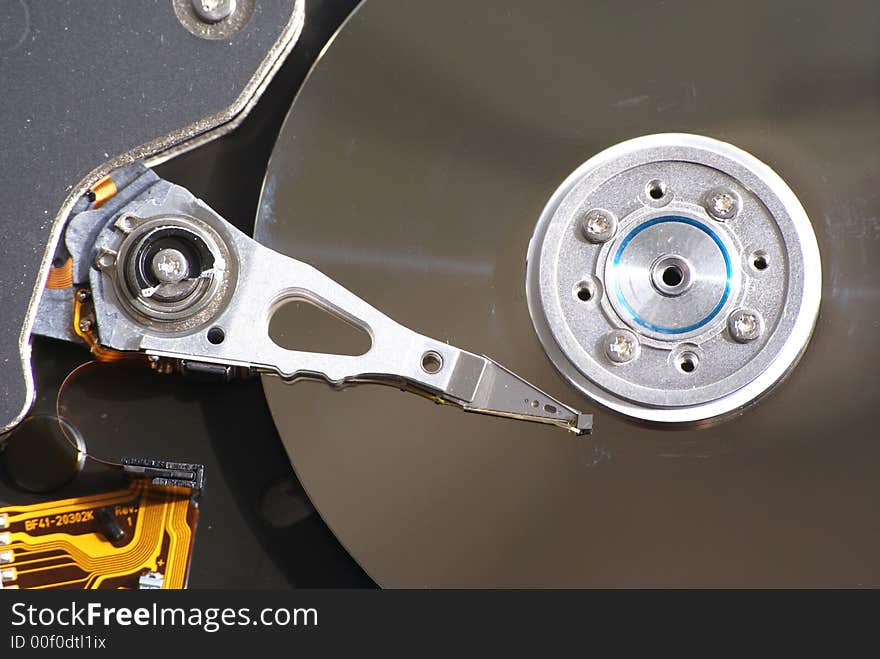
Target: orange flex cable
<point>84,329</point>
<point>102,191</point>
<point>62,276</point>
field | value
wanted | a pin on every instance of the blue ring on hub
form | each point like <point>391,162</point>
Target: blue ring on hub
<point>698,225</point>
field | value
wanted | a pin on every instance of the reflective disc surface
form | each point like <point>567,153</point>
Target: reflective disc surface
<point>413,168</point>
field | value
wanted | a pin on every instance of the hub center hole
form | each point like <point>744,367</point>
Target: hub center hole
<point>672,275</point>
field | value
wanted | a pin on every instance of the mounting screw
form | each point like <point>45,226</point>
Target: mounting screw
<point>599,226</point>
<point>621,346</point>
<point>213,11</point>
<point>722,203</point>
<point>85,325</point>
<point>82,295</point>
<point>170,266</point>
<point>745,325</point>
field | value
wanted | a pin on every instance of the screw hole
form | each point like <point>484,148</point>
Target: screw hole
<point>672,275</point>
<point>759,261</point>
<point>656,189</point>
<point>687,362</point>
<point>216,335</point>
<point>584,291</point>
<point>432,362</point>
<point>550,409</point>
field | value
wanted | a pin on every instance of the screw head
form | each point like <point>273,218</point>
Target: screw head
<point>745,325</point>
<point>599,225</point>
<point>213,11</point>
<point>621,346</point>
<point>82,295</point>
<point>85,325</point>
<point>170,266</point>
<point>722,203</point>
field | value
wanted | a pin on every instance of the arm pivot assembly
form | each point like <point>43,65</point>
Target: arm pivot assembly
<point>174,281</point>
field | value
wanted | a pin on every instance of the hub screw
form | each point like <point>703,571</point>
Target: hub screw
<point>170,266</point>
<point>599,226</point>
<point>722,203</point>
<point>745,325</point>
<point>213,11</point>
<point>621,346</point>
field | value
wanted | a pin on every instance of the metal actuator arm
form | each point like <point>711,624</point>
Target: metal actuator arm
<point>172,279</point>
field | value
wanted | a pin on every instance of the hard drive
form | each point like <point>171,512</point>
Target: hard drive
<point>622,252</point>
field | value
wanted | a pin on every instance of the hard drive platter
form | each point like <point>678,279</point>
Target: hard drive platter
<point>414,165</point>
<point>650,224</point>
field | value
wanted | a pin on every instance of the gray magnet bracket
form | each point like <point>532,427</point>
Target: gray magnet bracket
<point>674,278</point>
